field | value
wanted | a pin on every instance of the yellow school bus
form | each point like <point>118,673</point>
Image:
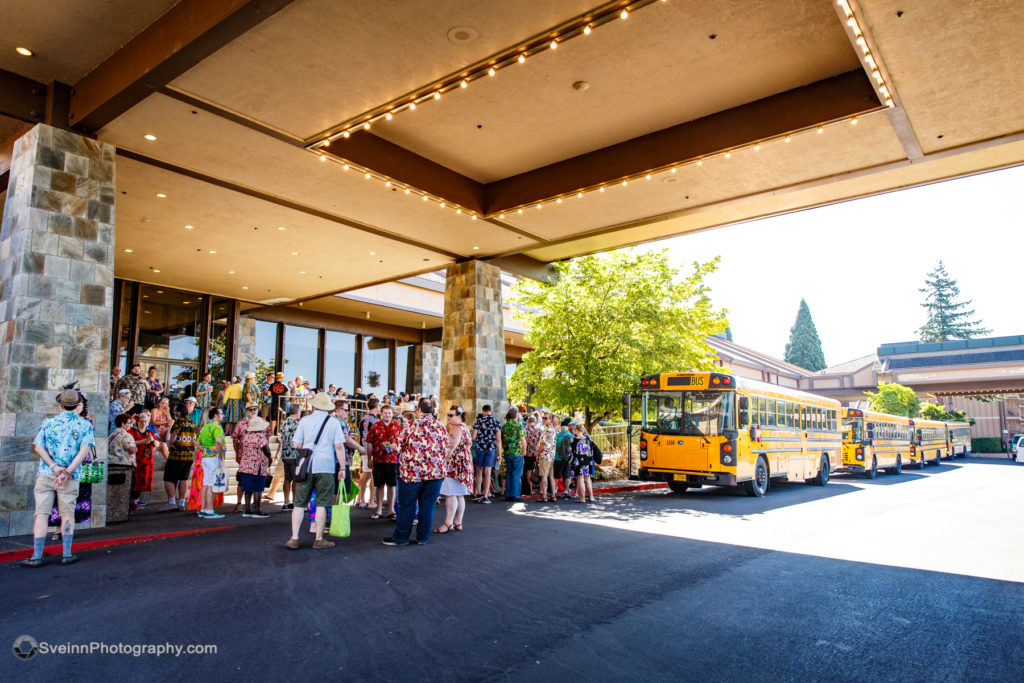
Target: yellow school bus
<point>959,439</point>
<point>930,441</point>
<point>873,441</point>
<point>701,428</point>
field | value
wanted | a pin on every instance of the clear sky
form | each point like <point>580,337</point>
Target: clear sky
<point>859,264</point>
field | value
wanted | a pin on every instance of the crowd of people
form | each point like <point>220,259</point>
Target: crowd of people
<point>396,457</point>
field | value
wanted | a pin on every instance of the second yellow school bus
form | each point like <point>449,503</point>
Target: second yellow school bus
<point>874,441</point>
<point>959,439</point>
<point>717,429</point>
<point>931,441</point>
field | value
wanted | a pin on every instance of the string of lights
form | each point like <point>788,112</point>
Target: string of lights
<point>853,25</point>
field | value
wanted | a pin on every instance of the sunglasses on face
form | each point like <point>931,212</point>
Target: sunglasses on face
<point>453,414</point>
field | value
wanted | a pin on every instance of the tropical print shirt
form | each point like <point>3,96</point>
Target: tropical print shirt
<point>184,447</point>
<point>424,450</point>
<point>208,436</point>
<point>380,434</point>
<point>287,437</point>
<point>532,438</point>
<point>250,455</point>
<point>364,426</point>
<point>115,409</point>
<point>153,385</point>
<point>251,393</point>
<point>460,461</point>
<point>547,443</point>
<point>511,438</point>
<point>134,384</point>
<point>486,433</point>
<point>63,436</point>
<point>119,447</point>
<point>203,394</point>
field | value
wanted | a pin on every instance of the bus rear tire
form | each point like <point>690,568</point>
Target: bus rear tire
<point>822,477</point>
<point>899,465</point>
<point>678,486</point>
<point>758,486</point>
<point>872,471</point>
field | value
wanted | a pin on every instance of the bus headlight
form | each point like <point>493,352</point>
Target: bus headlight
<point>726,459</point>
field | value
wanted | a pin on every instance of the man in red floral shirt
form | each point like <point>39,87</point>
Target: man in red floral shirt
<point>423,446</point>
<point>382,441</point>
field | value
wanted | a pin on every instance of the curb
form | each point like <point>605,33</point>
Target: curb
<point>624,488</point>
<point>55,549</point>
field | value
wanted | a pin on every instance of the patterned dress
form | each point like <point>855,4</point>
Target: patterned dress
<point>143,462</point>
<point>203,394</point>
<point>458,471</point>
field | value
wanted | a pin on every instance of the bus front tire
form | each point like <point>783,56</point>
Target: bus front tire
<point>822,477</point>
<point>899,466</point>
<point>758,486</point>
<point>921,463</point>
<point>678,486</point>
<point>872,471</point>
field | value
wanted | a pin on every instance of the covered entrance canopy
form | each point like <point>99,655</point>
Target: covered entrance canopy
<point>602,125</point>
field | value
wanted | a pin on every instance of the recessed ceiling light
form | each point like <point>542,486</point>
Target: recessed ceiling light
<point>373,253</point>
<point>231,272</point>
<point>23,51</point>
<point>128,251</point>
<point>280,227</point>
<point>186,302</point>
<point>460,35</point>
<point>212,251</point>
<point>295,253</point>
<point>155,270</point>
<point>302,272</point>
<point>161,195</point>
<point>188,227</point>
<point>149,136</point>
<point>145,296</point>
<point>245,287</point>
<point>476,248</point>
<point>159,291</point>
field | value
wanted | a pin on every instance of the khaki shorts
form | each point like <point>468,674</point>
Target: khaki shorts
<point>325,486</point>
<point>67,496</point>
<point>545,467</point>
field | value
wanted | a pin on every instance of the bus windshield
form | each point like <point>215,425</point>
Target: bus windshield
<point>688,413</point>
<point>852,429</point>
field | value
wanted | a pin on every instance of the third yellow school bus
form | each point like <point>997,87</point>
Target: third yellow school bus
<point>931,441</point>
<point>874,441</point>
<point>959,439</point>
<point>717,429</point>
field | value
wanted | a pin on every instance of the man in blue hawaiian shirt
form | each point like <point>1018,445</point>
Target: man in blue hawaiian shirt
<point>62,443</point>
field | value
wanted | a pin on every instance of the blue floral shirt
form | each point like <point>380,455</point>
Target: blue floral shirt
<point>63,436</point>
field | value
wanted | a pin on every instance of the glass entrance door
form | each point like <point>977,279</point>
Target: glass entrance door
<point>178,377</point>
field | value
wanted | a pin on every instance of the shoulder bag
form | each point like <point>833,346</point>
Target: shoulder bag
<point>305,455</point>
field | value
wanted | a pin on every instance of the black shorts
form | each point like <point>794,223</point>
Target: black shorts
<point>385,474</point>
<point>559,469</point>
<point>289,469</point>
<point>177,470</point>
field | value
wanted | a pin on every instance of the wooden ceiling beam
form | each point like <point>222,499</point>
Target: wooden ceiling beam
<point>185,35</point>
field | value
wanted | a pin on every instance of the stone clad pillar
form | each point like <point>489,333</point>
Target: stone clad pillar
<point>56,302</point>
<point>426,362</point>
<point>473,340</point>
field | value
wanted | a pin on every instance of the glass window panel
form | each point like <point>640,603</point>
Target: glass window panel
<point>124,334</point>
<point>404,369</point>
<point>301,348</point>
<point>181,381</point>
<point>340,361</point>
<point>219,340</point>
<point>169,323</point>
<point>770,422</point>
<point>376,373</point>
<point>266,344</point>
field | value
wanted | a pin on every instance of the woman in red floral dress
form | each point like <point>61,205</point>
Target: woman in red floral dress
<point>458,482</point>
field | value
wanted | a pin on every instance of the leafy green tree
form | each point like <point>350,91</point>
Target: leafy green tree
<point>606,321</point>
<point>934,411</point>
<point>947,317</point>
<point>894,399</point>
<point>804,347</point>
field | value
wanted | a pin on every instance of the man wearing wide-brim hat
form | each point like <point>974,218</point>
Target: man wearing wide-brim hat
<point>322,434</point>
<point>62,444</point>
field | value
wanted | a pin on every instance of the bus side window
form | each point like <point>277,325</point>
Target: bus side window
<point>770,422</point>
<point>743,412</point>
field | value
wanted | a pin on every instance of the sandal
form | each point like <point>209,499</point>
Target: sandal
<point>375,516</point>
<point>393,518</point>
<point>458,527</point>
<point>444,528</point>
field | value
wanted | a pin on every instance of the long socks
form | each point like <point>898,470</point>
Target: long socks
<point>67,544</point>
<point>37,547</point>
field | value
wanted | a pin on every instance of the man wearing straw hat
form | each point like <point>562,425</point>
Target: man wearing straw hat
<point>62,443</point>
<point>322,434</point>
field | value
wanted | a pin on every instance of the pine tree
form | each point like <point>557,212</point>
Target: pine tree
<point>947,318</point>
<point>804,347</point>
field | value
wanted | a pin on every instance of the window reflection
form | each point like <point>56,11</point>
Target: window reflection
<point>301,349</point>
<point>219,329</point>
<point>340,360</point>
<point>169,323</point>
<point>404,368</point>
<point>266,345</point>
<point>376,374</point>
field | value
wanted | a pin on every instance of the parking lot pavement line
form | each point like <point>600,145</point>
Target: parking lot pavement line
<point>56,549</point>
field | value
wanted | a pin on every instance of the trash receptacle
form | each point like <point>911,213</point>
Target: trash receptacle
<point>119,492</point>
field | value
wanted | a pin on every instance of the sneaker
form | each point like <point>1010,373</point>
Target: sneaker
<point>391,541</point>
<point>68,559</point>
<point>136,505</point>
<point>287,506</point>
<point>141,504</point>
<point>486,501</point>
<point>247,515</point>
<point>181,506</point>
<point>170,507</point>
<point>321,544</point>
<point>259,515</point>
<point>33,562</point>
<point>415,542</point>
<point>292,544</point>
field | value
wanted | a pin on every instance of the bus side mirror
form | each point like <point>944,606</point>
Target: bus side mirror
<point>627,406</point>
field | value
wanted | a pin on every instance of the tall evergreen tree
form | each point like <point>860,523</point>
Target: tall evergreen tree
<point>947,317</point>
<point>804,347</point>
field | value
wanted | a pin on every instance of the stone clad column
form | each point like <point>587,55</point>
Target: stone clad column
<point>426,361</point>
<point>56,302</point>
<point>473,340</point>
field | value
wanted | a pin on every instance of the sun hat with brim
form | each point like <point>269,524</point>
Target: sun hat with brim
<point>69,398</point>
<point>279,375</point>
<point>322,402</point>
<point>252,404</point>
<point>250,375</point>
<point>124,392</point>
<point>257,424</point>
